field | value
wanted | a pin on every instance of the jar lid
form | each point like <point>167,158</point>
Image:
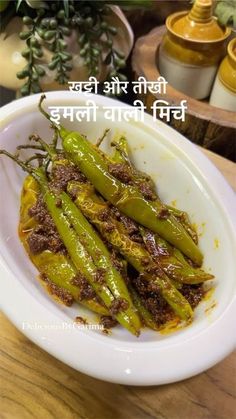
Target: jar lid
<point>198,25</point>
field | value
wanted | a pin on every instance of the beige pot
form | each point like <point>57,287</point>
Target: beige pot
<point>192,48</point>
<point>223,94</point>
<point>12,61</point>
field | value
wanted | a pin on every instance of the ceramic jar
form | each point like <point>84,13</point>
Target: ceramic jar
<point>192,49</point>
<point>223,94</point>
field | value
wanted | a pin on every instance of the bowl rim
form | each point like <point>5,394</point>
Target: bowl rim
<point>120,362</point>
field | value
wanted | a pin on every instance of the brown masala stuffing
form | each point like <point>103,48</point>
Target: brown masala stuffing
<point>45,235</point>
<point>118,305</point>
<point>108,322</point>
<point>53,289</point>
<point>120,171</point>
<point>86,291</point>
<point>62,174</point>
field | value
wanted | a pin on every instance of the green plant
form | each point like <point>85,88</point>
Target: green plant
<point>226,12</point>
<point>49,23</point>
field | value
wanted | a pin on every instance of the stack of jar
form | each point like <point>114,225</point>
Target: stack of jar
<point>190,55</point>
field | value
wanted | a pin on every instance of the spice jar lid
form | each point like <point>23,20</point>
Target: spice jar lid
<point>198,25</point>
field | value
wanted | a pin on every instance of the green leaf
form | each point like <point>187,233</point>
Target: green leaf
<point>66,7</point>
<point>52,65</point>
<point>49,35</point>
<point>226,12</point>
<point>24,35</point>
<point>22,74</point>
<point>18,4</point>
<point>25,89</point>
<point>26,53</point>
<point>40,70</point>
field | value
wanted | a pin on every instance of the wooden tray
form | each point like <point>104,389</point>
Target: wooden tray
<point>206,125</point>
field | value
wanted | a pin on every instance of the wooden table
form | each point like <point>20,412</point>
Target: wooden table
<point>33,384</point>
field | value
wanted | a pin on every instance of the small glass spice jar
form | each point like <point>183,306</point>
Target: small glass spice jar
<point>192,49</point>
<point>223,94</point>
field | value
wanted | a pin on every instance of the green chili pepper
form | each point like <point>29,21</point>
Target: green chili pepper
<point>121,155</point>
<point>56,266</point>
<point>77,252</point>
<point>127,198</point>
<point>100,255</point>
<point>81,259</point>
<point>61,272</point>
<point>172,260</point>
<point>97,249</point>
<point>92,207</point>
<point>93,244</point>
<point>169,258</point>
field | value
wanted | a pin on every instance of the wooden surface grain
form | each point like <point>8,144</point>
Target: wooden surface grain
<point>33,384</point>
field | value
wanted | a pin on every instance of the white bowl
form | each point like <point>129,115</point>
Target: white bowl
<point>182,173</point>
